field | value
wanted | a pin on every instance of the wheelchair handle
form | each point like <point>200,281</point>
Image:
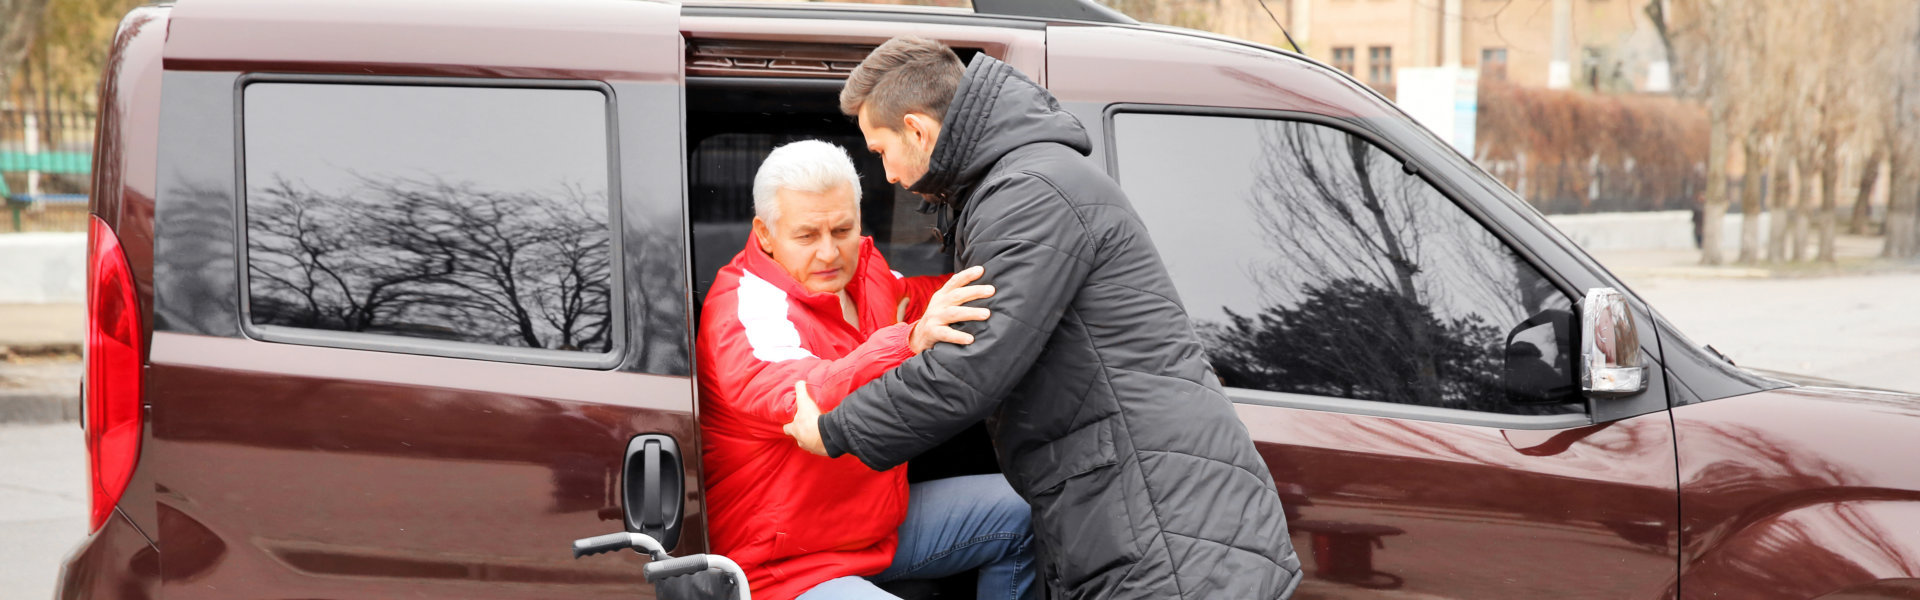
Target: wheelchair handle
<point>611,542</point>
<point>663,566</point>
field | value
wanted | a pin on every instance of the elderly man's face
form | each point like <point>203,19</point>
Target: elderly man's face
<point>816,237</point>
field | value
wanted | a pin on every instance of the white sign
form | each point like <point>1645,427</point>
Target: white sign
<point>1444,99</point>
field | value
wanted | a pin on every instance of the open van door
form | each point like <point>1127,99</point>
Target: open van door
<point>419,286</point>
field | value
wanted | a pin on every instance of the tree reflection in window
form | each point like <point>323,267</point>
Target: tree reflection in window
<point>435,260</point>
<point>1351,278</point>
<point>452,213</point>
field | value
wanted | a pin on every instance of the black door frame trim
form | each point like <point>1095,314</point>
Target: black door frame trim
<point>408,345</point>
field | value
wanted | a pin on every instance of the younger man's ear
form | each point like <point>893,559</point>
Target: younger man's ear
<point>924,129</point>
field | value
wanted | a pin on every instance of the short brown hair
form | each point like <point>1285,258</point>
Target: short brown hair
<point>906,74</point>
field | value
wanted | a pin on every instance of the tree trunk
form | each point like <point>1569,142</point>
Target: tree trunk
<point>1750,201</point>
<point>1714,209</point>
<point>1780,194</point>
<point>1903,150</point>
<point>22,23</point>
<point>1863,203</point>
<point>1902,226</point>
<point>1829,166</point>
<point>1803,201</point>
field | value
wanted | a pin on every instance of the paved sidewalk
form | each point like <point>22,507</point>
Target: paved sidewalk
<point>1859,329</point>
<point>1850,320</point>
<point>27,326</point>
<point>1853,255</point>
<point>43,505</point>
<point>40,362</point>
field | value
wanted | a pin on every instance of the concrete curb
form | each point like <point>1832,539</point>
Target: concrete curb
<point>14,349</point>
<point>40,383</point>
<point>38,406</point>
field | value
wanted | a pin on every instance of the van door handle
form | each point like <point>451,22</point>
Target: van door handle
<point>652,487</point>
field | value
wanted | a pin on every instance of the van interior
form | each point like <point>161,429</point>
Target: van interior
<point>736,116</point>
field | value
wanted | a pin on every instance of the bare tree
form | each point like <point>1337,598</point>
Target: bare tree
<point>434,259</point>
<point>1757,117</point>
<point>1856,62</point>
<point>1781,196</point>
<point>1700,40</point>
<point>1804,87</point>
<point>22,19</point>
<point>1869,179</point>
<point>1903,149</point>
<point>1750,188</point>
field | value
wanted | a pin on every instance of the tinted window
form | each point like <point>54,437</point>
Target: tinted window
<point>452,213</point>
<point>1312,263</point>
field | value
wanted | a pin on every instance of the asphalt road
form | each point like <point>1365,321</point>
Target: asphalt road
<point>1861,329</point>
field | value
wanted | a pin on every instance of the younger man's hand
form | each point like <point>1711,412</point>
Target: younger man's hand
<point>946,307</point>
<point>805,428</point>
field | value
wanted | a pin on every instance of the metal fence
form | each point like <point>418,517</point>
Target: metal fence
<point>46,155</point>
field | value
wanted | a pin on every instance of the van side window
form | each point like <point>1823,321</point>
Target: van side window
<point>1311,263</point>
<point>462,214</point>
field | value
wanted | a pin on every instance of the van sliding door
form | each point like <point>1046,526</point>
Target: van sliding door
<point>419,281</point>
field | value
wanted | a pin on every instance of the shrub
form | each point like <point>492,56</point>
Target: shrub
<point>1570,152</point>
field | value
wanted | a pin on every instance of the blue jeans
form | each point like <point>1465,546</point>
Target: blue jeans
<point>953,525</point>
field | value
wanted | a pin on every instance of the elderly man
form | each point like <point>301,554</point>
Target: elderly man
<point>810,300</point>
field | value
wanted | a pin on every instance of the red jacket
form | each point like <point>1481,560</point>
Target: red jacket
<point>792,519</point>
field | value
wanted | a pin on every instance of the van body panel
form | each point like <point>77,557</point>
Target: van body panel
<point>124,158</point>
<point>1798,492</point>
<point>1389,499</point>
<point>1184,70</point>
<point>117,562</point>
<point>394,474</point>
<point>324,468</point>
<point>124,165</point>
<point>1456,511</point>
<point>565,39</point>
<point>273,469</point>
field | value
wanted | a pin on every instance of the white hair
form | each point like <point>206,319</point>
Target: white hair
<point>810,166</point>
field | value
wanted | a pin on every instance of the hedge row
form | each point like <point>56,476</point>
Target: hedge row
<point>1570,152</point>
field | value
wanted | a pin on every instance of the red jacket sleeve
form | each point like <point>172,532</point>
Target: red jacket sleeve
<point>918,291</point>
<point>758,381</point>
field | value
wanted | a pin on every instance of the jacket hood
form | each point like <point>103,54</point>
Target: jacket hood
<point>995,110</point>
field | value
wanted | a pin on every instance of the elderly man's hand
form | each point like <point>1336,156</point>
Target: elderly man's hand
<point>805,428</point>
<point>946,308</point>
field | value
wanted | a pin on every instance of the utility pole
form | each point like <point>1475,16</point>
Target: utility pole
<point>1300,17</point>
<point>1560,70</point>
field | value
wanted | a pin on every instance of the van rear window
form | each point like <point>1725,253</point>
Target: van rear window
<point>470,215</point>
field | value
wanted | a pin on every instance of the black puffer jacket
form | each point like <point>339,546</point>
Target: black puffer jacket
<point>1103,410</point>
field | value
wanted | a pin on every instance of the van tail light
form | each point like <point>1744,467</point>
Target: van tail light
<point>111,392</point>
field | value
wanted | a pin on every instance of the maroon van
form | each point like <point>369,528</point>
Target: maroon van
<point>394,299</point>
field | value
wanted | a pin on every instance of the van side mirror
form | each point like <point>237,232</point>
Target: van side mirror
<point>1531,376</point>
<point>1611,363</point>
